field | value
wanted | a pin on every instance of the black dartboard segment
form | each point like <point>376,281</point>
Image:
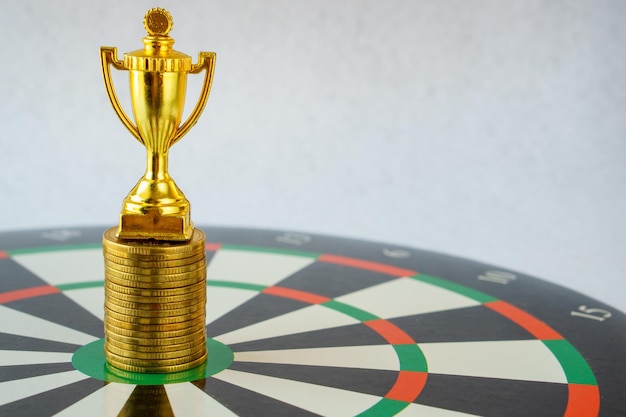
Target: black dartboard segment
<point>304,325</point>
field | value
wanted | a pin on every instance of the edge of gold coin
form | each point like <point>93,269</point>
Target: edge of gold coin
<point>132,326</point>
<point>155,284</point>
<point>153,313</point>
<point>158,369</point>
<point>154,362</point>
<point>153,300</point>
<point>154,333</point>
<point>121,289</point>
<point>148,348</point>
<point>132,248</point>
<point>200,334</point>
<point>154,264</point>
<point>164,278</point>
<point>158,306</point>
<point>149,258</point>
<point>154,320</point>
<point>133,354</point>
<point>155,270</point>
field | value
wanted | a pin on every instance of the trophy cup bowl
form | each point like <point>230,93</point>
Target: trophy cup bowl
<point>156,208</point>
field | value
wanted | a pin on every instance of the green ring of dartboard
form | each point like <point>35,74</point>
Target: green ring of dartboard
<point>279,334</point>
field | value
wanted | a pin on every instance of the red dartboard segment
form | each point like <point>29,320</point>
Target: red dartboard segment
<point>4,255</point>
<point>392,333</point>
<point>532,325</point>
<point>303,296</point>
<point>212,247</point>
<point>584,401</point>
<point>371,266</point>
<point>408,386</point>
<point>7,297</point>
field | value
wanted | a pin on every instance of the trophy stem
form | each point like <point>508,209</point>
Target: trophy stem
<point>156,166</point>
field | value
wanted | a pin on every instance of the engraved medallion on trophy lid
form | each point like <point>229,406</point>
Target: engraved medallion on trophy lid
<point>158,22</point>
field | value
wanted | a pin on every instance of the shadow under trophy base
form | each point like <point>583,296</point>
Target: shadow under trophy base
<point>155,261</point>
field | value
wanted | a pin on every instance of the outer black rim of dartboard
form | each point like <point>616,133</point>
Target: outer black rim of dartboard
<point>582,321</point>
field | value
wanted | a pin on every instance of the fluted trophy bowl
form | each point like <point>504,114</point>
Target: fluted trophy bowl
<point>157,102</point>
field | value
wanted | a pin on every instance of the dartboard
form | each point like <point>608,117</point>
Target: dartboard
<point>301,324</point>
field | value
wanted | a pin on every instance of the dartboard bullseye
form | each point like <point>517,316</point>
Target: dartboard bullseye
<point>312,326</point>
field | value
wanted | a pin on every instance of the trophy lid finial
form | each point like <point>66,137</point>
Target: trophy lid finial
<point>157,54</point>
<point>158,22</point>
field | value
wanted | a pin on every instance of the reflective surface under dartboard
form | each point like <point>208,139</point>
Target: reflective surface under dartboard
<point>304,325</point>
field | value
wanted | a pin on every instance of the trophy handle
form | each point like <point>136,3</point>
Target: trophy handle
<point>206,61</point>
<point>108,57</point>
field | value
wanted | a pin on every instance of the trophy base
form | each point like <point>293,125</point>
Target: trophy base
<point>153,225</point>
<point>155,209</point>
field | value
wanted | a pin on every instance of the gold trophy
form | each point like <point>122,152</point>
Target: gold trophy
<point>155,261</point>
<point>156,208</point>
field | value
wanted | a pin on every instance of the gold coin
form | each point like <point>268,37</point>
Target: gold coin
<point>116,359</point>
<point>153,348</point>
<point>155,270</point>
<point>110,253</point>
<point>191,337</point>
<point>133,354</point>
<point>154,257</point>
<point>149,248</point>
<point>156,282</point>
<point>154,264</point>
<point>153,333</point>
<point>198,372</point>
<point>200,293</point>
<point>154,292</point>
<point>156,285</point>
<point>169,274</point>
<point>156,369</point>
<point>127,326</point>
<point>200,300</point>
<point>154,320</point>
<point>163,278</point>
<point>185,353</point>
<point>153,313</point>
<point>144,309</point>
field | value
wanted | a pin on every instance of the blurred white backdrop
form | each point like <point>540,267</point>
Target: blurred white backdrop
<point>490,130</point>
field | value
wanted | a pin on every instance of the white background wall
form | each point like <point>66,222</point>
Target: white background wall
<point>489,129</point>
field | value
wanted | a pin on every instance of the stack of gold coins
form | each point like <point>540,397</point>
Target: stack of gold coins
<point>155,303</point>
